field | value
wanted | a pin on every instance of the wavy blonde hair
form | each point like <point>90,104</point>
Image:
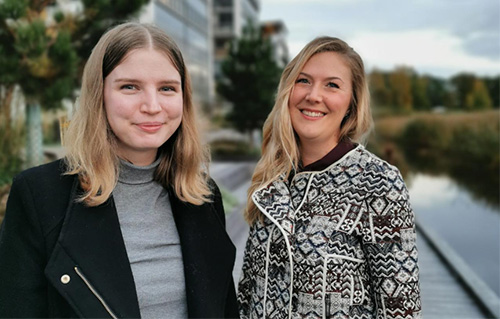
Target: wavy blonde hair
<point>280,145</point>
<point>91,144</point>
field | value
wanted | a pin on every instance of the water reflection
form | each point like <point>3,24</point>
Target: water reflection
<point>459,199</point>
<point>469,226</point>
<point>480,180</point>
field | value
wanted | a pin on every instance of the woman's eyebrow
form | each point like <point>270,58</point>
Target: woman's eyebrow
<point>327,78</point>
<point>132,80</point>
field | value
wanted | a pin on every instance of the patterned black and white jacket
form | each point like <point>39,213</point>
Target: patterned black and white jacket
<point>337,243</point>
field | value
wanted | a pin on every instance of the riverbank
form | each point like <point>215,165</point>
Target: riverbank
<point>464,146</point>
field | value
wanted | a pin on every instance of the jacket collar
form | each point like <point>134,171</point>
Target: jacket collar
<point>277,201</point>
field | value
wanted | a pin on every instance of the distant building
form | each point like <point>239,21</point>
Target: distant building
<point>189,23</point>
<point>230,16</point>
<point>277,32</point>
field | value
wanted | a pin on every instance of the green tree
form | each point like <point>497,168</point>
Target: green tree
<point>437,92</point>
<point>493,86</point>
<point>400,82</point>
<point>38,56</point>
<point>250,76</point>
<point>419,85</point>
<point>45,54</point>
<point>380,92</point>
<point>463,85</point>
<point>478,98</point>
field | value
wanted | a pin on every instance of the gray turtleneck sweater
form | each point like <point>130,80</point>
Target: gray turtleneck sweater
<point>152,242</point>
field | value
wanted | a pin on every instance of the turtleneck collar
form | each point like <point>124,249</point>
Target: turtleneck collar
<point>134,175</point>
<point>342,148</point>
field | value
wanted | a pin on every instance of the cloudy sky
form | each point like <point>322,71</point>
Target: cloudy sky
<point>438,37</point>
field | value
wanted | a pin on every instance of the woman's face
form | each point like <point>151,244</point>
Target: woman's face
<point>320,99</point>
<point>143,102</point>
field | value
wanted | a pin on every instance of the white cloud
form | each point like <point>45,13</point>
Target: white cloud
<point>439,37</point>
<point>422,49</point>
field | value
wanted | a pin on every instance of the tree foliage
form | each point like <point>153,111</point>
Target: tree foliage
<point>36,55</point>
<point>45,54</point>
<point>400,81</point>
<point>403,90</point>
<point>250,76</point>
<point>42,51</point>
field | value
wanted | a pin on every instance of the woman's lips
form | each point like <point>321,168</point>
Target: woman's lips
<point>150,127</point>
<point>311,114</point>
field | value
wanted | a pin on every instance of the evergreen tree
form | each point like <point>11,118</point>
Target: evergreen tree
<point>38,56</point>
<point>436,91</point>
<point>493,86</point>
<point>420,93</point>
<point>45,54</point>
<point>250,76</point>
<point>463,85</point>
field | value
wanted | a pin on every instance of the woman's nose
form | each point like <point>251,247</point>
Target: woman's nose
<point>314,94</point>
<point>150,102</point>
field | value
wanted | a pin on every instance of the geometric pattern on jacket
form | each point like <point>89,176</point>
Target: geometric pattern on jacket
<point>338,243</point>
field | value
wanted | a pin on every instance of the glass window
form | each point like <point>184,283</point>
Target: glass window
<point>225,19</point>
<point>197,39</point>
<point>224,3</point>
<point>170,24</point>
<point>200,6</point>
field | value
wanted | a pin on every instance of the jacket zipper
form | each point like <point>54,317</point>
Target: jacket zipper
<point>95,293</point>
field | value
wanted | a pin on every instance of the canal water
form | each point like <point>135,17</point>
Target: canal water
<point>471,226</point>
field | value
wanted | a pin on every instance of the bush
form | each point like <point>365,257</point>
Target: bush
<point>427,137</point>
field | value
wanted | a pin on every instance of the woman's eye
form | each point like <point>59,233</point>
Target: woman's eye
<point>127,87</point>
<point>332,85</point>
<point>167,89</point>
<point>302,80</point>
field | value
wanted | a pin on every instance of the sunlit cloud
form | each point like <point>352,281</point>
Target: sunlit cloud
<point>426,50</point>
<point>438,37</point>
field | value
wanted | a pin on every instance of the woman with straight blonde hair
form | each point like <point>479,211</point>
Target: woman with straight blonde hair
<point>129,223</point>
<point>332,234</point>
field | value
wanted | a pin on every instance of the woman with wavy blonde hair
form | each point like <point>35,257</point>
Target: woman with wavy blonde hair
<point>128,224</point>
<point>332,234</point>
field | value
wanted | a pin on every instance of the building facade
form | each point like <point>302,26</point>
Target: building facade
<point>189,23</point>
<point>230,16</point>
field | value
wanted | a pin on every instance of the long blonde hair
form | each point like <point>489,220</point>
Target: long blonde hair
<point>91,144</point>
<point>280,145</point>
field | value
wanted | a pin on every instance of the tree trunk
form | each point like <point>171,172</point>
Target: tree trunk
<point>34,142</point>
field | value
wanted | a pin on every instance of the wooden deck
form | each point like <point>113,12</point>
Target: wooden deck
<point>443,295</point>
<point>446,291</point>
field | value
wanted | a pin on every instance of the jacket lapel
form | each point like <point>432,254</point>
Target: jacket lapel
<point>208,257</point>
<point>275,202</point>
<point>91,253</point>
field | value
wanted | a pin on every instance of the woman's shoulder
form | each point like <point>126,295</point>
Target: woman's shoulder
<point>377,175</point>
<point>57,165</point>
<point>372,164</point>
<point>43,193</point>
<point>46,176</point>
